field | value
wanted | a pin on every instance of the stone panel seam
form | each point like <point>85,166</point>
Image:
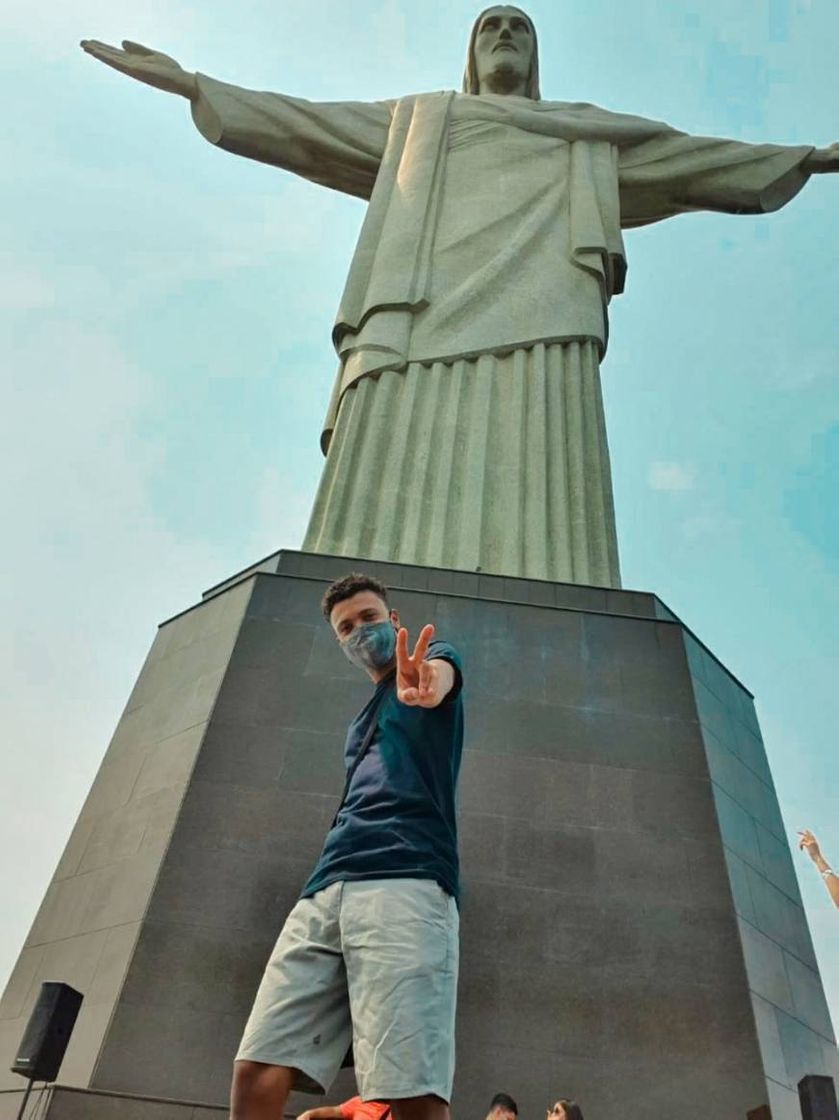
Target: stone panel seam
<point>743,763</point>
<point>750,863</point>
<point>94,1071</point>
<point>86,932</point>
<point>790,952</point>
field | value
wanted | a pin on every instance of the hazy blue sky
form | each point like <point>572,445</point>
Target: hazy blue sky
<point>165,312</point>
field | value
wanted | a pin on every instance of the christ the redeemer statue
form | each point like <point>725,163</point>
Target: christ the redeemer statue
<point>466,425</point>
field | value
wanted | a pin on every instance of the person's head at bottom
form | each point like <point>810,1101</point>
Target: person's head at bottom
<point>357,609</point>
<point>502,1107</point>
<point>564,1110</point>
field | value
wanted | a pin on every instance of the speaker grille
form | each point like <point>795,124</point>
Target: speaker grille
<point>48,1031</point>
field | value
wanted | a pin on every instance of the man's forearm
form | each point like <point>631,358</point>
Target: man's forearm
<point>832,884</point>
<point>821,862</point>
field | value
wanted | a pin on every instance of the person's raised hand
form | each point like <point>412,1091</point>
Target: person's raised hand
<point>146,65</point>
<point>418,682</point>
<point>810,844</point>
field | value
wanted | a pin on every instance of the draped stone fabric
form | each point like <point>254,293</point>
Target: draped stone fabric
<point>492,242</point>
<point>497,464</point>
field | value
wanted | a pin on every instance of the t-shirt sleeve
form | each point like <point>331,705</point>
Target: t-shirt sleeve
<point>349,1108</point>
<point>442,651</point>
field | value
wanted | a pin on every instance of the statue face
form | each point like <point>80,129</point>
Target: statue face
<point>503,51</point>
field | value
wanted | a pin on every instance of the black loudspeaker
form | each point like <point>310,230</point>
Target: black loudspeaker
<point>818,1098</point>
<point>48,1032</point>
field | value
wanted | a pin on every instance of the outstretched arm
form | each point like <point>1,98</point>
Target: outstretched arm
<point>338,144</point>
<point>675,173</point>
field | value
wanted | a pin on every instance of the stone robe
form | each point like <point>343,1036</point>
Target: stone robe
<point>466,425</point>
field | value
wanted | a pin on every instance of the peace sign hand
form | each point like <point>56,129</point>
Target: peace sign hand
<point>420,683</point>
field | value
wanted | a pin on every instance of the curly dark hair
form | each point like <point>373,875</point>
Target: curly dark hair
<point>346,587</point>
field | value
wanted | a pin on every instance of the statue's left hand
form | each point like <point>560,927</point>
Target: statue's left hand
<point>146,65</point>
<point>822,160</point>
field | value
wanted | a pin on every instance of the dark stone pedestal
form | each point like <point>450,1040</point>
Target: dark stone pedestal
<point>632,927</point>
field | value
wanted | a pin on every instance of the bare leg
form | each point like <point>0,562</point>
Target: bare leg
<point>420,1108</point>
<point>259,1091</point>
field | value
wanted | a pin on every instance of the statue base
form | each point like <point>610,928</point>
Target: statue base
<point>631,923</point>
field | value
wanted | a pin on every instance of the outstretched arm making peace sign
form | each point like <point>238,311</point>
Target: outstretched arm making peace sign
<point>421,683</point>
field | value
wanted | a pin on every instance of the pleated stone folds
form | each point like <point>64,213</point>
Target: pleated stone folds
<point>498,464</point>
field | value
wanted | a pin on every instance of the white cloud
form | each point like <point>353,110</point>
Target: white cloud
<point>671,477</point>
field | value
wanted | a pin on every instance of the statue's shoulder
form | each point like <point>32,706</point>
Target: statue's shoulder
<point>583,108</point>
<point>427,95</point>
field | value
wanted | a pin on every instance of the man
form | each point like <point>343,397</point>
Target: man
<point>502,1107</point>
<point>369,954</point>
<point>474,318</point>
<point>810,844</point>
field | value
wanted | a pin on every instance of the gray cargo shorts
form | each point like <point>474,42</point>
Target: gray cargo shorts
<point>372,963</point>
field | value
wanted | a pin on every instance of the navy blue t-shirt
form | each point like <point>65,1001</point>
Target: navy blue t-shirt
<point>398,818</point>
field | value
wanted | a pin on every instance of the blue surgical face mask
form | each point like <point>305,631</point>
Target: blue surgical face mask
<point>371,646</point>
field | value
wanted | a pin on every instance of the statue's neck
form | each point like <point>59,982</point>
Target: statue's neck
<point>505,83</point>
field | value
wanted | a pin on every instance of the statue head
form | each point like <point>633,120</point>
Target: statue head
<point>503,54</point>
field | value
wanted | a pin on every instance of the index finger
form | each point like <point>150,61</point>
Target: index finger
<point>136,48</point>
<point>94,46</point>
<point>423,642</point>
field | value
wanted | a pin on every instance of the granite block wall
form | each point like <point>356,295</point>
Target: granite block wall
<point>791,1013</point>
<point>86,929</point>
<point>608,939</point>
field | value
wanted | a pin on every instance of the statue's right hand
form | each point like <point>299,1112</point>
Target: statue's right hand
<point>152,67</point>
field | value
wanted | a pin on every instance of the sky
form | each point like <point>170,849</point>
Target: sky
<point>165,362</point>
